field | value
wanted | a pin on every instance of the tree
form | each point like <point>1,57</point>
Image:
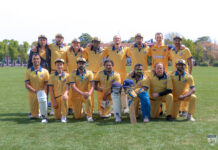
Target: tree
<point>3,49</point>
<point>13,50</point>
<point>131,40</point>
<point>85,38</point>
<point>203,39</point>
<point>23,51</point>
<point>168,38</point>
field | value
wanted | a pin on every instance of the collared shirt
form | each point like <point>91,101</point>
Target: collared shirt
<point>82,81</point>
<point>142,82</point>
<point>106,80</point>
<point>57,52</point>
<point>182,83</point>
<point>159,54</point>
<point>138,55</point>
<point>95,59</point>
<point>184,54</point>
<point>37,78</point>
<point>59,83</point>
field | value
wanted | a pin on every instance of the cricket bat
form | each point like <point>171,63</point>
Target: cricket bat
<point>132,115</point>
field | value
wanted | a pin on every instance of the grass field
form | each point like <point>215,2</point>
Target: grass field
<point>18,132</point>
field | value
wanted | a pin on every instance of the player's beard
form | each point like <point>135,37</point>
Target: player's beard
<point>81,68</point>
<point>139,43</point>
<point>181,69</point>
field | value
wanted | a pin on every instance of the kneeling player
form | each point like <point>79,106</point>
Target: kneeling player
<point>58,89</point>
<point>183,90</point>
<point>160,90</point>
<point>83,84</point>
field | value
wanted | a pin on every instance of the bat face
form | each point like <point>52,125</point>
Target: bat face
<point>116,90</point>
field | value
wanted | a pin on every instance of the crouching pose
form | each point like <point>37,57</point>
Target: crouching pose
<point>58,88</point>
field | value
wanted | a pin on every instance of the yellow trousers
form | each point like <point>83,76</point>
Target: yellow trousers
<point>155,105</point>
<point>62,108</point>
<point>77,106</point>
<point>177,103</point>
<point>33,103</point>
<point>71,96</point>
<point>184,106</point>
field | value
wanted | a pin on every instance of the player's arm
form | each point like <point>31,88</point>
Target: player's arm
<point>51,92</point>
<point>65,95</point>
<point>190,64</point>
<point>29,87</point>
<point>97,88</point>
<point>192,88</point>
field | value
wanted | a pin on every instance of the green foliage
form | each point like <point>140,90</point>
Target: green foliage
<point>203,39</point>
<point>13,49</point>
<point>215,64</point>
<point>168,38</point>
<point>204,64</point>
<point>23,51</point>
<point>3,49</point>
<point>131,40</point>
<point>85,38</point>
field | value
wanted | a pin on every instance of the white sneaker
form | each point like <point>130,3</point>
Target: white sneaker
<point>105,116</point>
<point>117,119</point>
<point>90,119</point>
<point>190,118</point>
<point>183,114</point>
<point>44,120</point>
<point>146,120</point>
<point>126,111</point>
<point>63,119</point>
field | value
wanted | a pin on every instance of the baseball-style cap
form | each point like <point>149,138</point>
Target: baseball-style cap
<point>59,60</point>
<point>139,35</point>
<point>59,35</point>
<point>127,83</point>
<point>81,59</point>
<point>42,36</point>
<point>181,61</point>
<point>96,39</point>
<point>177,37</point>
<point>76,40</point>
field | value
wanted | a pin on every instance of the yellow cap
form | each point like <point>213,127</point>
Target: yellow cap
<point>59,35</point>
<point>177,37</point>
<point>59,60</point>
<point>76,40</point>
<point>181,61</point>
<point>81,59</point>
<point>42,36</point>
<point>96,39</point>
<point>139,35</point>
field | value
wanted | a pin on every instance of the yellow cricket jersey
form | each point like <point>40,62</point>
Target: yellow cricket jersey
<point>59,83</point>
<point>118,57</point>
<point>159,54</point>
<point>82,81</point>
<point>95,59</point>
<point>42,53</point>
<point>37,78</point>
<point>142,82</point>
<point>57,52</point>
<point>184,54</point>
<point>138,55</point>
<point>71,58</point>
<point>181,83</point>
<point>160,84</point>
<point>106,81</point>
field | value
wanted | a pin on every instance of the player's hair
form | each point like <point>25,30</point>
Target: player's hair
<point>108,61</point>
<point>153,69</point>
<point>36,54</point>
<point>158,33</point>
<point>138,65</point>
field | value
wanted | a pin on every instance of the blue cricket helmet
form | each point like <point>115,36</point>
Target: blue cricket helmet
<point>127,83</point>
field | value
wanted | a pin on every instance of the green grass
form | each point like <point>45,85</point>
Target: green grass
<point>18,132</point>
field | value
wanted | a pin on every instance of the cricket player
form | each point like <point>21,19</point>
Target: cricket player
<point>36,80</point>
<point>58,88</point>
<point>160,90</point>
<point>103,83</point>
<point>185,54</point>
<point>95,55</point>
<point>183,90</point>
<point>43,50</point>
<point>138,52</point>
<point>82,82</point>
<point>141,83</point>
<point>72,53</point>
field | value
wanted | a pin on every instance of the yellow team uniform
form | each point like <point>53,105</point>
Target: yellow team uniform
<point>95,60</point>
<point>184,54</point>
<point>158,85</point>
<point>106,82</point>
<point>37,80</point>
<point>159,55</point>
<point>59,84</point>
<point>181,85</point>
<point>82,82</point>
<point>119,59</point>
<point>142,82</point>
<point>70,58</point>
<point>138,55</point>
<point>57,52</point>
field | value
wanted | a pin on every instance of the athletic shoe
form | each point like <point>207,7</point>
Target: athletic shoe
<point>146,120</point>
<point>126,111</point>
<point>63,119</point>
<point>44,119</point>
<point>105,116</point>
<point>117,118</point>
<point>190,118</point>
<point>183,114</point>
<point>169,118</point>
<point>90,119</point>
<point>51,112</point>
<point>33,117</point>
<point>70,111</point>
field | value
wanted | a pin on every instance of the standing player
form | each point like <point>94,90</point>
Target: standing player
<point>72,54</point>
<point>82,82</point>
<point>36,80</point>
<point>95,55</point>
<point>160,90</point>
<point>103,82</point>
<point>185,54</point>
<point>183,89</point>
<point>58,88</point>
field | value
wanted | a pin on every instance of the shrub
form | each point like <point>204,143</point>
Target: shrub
<point>205,64</point>
<point>215,64</point>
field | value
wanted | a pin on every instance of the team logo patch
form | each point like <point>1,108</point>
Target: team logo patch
<point>184,80</point>
<point>41,75</point>
<point>165,82</point>
<point>165,50</point>
<point>140,84</point>
<point>211,139</point>
<point>121,53</point>
<point>64,80</point>
<point>112,80</point>
<point>180,54</point>
<point>86,78</point>
<point>154,49</point>
<point>144,52</point>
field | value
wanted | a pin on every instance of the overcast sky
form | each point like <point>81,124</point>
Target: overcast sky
<point>24,20</point>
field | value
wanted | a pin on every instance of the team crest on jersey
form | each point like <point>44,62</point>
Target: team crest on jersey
<point>165,82</point>
<point>164,49</point>
<point>86,78</point>
<point>144,52</point>
<point>121,53</point>
<point>184,80</point>
<point>41,75</point>
<point>112,80</point>
<point>64,80</point>
<point>180,54</point>
<point>140,84</point>
<point>154,49</point>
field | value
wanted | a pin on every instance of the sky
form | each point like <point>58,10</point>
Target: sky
<point>24,20</point>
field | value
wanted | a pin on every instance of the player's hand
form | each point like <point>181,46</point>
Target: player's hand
<point>131,73</point>
<point>55,105</point>
<point>89,45</point>
<point>34,50</point>
<point>154,95</point>
<point>86,95</point>
<point>181,97</point>
<point>65,97</point>
<point>183,47</point>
